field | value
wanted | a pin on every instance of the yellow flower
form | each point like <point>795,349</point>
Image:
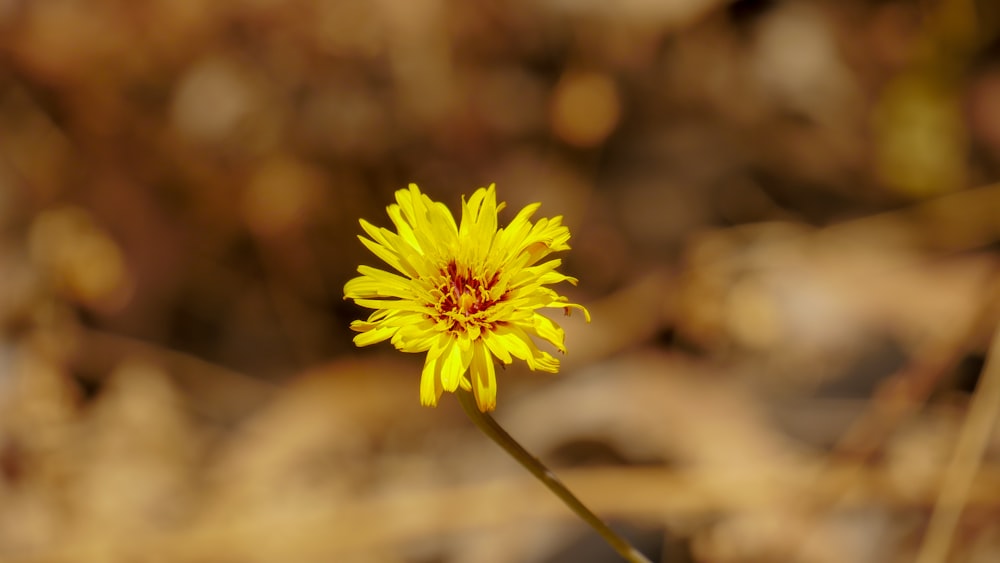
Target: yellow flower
<point>464,293</point>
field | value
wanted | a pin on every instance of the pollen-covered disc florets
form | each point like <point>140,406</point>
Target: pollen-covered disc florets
<point>465,293</point>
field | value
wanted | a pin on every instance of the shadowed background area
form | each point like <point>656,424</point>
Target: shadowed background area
<point>784,223</point>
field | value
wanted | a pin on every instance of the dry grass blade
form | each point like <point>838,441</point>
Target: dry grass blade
<point>972,442</point>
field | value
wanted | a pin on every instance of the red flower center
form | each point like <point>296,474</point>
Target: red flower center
<point>465,295</point>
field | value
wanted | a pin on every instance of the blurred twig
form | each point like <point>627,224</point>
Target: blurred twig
<point>972,441</point>
<point>905,391</point>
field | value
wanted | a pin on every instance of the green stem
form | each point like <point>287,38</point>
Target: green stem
<point>491,428</point>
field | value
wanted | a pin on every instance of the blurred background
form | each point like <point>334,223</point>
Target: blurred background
<point>783,221</point>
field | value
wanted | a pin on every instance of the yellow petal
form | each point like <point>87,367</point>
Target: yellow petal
<point>430,384</point>
<point>374,336</point>
<point>496,346</point>
<point>550,331</point>
<point>451,368</point>
<point>484,379</point>
<point>508,340</point>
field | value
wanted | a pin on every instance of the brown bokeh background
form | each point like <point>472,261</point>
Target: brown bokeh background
<point>783,223</point>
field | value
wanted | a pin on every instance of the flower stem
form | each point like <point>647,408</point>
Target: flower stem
<point>491,428</point>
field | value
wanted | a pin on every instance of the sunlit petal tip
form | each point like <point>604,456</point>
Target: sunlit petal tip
<point>429,398</point>
<point>486,400</point>
<point>568,309</point>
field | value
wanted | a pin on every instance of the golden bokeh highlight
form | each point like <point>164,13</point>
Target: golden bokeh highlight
<point>585,108</point>
<point>80,258</point>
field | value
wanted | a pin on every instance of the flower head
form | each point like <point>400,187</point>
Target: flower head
<point>465,293</point>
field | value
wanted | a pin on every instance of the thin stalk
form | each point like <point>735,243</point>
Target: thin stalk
<point>491,428</point>
<point>973,439</point>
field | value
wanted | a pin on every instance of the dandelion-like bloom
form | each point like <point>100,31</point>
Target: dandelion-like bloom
<point>464,293</point>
